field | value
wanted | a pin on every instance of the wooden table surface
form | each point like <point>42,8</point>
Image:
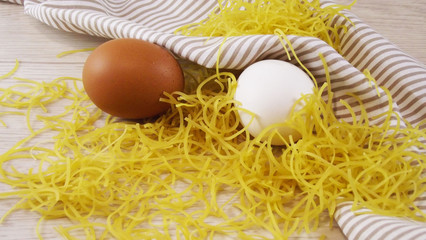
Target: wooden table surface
<point>36,45</point>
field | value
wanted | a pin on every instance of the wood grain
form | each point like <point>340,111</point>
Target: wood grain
<point>36,45</point>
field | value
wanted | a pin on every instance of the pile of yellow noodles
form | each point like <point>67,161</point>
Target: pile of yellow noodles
<point>195,173</point>
<point>292,17</point>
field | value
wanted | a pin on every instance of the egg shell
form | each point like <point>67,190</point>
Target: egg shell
<point>127,77</point>
<point>269,89</point>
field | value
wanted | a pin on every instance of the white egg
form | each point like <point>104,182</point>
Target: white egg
<point>269,89</point>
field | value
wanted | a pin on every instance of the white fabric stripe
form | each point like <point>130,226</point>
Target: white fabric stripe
<point>385,61</point>
<point>384,226</point>
<point>15,1</point>
<point>371,227</point>
<point>186,13</point>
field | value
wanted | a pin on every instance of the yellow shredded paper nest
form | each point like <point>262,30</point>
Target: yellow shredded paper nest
<point>293,17</point>
<point>195,172</point>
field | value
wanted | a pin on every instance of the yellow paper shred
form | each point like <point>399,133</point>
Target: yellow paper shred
<point>195,173</point>
<point>65,53</point>
<point>292,17</point>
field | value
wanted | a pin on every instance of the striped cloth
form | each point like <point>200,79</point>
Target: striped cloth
<point>362,48</point>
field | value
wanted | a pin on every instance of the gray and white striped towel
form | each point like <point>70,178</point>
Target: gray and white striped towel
<point>362,48</point>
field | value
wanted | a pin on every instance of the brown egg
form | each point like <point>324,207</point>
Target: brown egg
<point>127,77</point>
